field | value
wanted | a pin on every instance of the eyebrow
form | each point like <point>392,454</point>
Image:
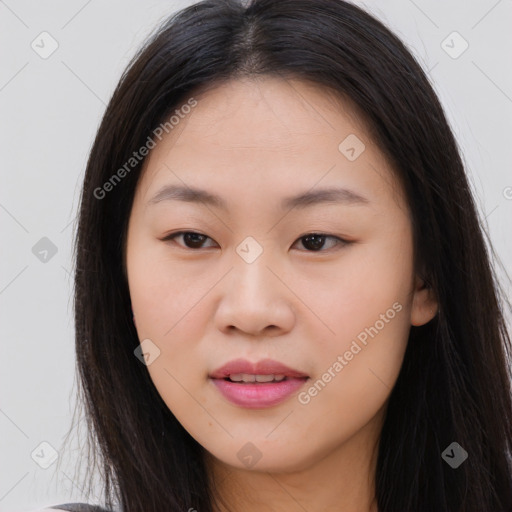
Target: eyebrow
<point>306,199</point>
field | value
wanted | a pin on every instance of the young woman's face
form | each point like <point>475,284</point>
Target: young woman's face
<point>254,283</point>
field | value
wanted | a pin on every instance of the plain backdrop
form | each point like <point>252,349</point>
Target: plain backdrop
<point>50,109</point>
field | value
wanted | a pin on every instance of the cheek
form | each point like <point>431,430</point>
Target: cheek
<point>164,294</point>
<point>350,295</point>
<point>167,305</point>
<point>366,305</point>
<point>169,300</point>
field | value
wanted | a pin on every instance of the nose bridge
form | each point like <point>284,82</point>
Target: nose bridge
<point>251,273</point>
<point>254,298</point>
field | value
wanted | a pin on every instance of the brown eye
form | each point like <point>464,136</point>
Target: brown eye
<point>315,242</point>
<point>191,239</point>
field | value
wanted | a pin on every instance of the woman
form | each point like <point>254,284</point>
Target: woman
<point>283,295</point>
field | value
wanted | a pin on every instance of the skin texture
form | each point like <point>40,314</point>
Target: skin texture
<point>254,142</point>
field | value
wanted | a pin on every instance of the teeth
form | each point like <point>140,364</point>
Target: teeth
<point>264,378</point>
<point>246,377</point>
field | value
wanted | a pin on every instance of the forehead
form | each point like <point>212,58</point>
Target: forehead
<point>263,112</point>
<point>266,134</point>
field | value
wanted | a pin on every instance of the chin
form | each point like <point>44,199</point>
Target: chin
<point>251,456</point>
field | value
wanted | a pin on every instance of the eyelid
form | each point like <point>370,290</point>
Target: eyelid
<point>176,234</point>
<point>340,242</point>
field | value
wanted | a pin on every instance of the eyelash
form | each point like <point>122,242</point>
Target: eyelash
<point>340,241</point>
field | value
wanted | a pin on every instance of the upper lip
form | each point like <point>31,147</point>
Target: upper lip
<point>263,367</point>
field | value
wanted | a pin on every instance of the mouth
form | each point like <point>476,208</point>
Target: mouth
<point>241,370</point>
<point>257,385</point>
<point>248,378</point>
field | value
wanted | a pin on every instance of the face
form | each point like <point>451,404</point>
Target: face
<point>304,259</point>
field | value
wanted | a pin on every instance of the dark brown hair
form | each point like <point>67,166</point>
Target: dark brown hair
<point>454,384</point>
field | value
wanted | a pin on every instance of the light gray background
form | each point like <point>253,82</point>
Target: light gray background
<point>50,109</point>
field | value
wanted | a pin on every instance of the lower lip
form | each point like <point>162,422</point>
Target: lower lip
<point>258,396</point>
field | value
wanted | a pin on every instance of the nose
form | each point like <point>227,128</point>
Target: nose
<point>255,301</point>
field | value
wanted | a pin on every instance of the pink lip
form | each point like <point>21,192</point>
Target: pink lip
<point>257,395</point>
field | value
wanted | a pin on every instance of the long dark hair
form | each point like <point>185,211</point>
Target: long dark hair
<point>454,385</point>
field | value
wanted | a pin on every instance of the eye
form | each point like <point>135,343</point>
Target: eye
<point>191,239</point>
<point>315,242</point>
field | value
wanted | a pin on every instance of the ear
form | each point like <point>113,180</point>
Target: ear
<point>424,304</point>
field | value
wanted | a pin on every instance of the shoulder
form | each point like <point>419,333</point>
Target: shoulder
<point>45,510</point>
<point>73,507</point>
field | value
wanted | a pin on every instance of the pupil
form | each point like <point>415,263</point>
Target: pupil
<point>317,241</point>
<point>189,239</point>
